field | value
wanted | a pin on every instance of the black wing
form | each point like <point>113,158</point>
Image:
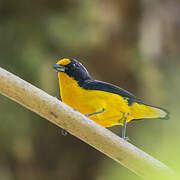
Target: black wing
<point>103,86</point>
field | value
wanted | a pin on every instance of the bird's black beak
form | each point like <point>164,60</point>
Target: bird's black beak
<point>59,68</point>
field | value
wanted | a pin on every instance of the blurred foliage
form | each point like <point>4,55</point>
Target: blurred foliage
<point>133,44</point>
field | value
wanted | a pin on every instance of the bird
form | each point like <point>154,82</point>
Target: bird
<point>102,102</point>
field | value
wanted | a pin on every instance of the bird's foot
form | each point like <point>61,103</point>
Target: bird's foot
<point>64,132</point>
<point>126,138</point>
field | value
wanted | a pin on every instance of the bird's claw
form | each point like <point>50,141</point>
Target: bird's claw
<point>126,138</point>
<point>64,132</point>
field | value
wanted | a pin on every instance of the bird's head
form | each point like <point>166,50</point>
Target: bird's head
<point>72,68</point>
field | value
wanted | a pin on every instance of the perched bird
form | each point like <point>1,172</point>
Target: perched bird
<point>104,103</point>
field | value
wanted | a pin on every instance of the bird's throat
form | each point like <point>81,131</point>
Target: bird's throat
<point>68,87</point>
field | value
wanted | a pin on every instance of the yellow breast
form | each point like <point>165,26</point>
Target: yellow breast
<point>90,101</point>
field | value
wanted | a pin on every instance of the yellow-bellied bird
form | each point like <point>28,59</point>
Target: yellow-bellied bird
<point>104,103</point>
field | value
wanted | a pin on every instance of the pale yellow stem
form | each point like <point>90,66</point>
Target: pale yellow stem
<point>80,126</point>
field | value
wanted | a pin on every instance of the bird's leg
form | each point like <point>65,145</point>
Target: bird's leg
<point>124,130</point>
<point>99,112</point>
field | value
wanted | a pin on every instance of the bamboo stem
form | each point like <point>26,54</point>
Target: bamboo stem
<point>80,126</point>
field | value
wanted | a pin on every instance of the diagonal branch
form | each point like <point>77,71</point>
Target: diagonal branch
<point>80,126</point>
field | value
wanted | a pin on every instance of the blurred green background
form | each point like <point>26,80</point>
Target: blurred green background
<point>133,44</point>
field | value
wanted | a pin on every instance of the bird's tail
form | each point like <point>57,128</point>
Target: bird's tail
<point>145,111</point>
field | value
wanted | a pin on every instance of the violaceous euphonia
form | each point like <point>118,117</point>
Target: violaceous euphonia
<point>104,103</point>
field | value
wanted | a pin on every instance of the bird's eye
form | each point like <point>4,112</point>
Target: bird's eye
<point>74,66</point>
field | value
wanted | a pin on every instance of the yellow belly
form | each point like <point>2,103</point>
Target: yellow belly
<point>90,101</point>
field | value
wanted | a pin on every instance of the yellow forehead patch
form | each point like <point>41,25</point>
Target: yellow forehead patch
<point>64,62</point>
